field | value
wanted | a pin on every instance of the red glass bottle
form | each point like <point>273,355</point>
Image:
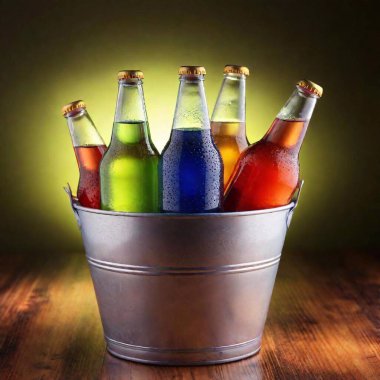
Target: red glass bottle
<point>89,148</point>
<point>267,173</point>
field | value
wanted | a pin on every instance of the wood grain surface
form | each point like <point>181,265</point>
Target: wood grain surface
<point>323,323</point>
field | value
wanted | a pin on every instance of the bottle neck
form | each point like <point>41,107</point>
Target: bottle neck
<point>289,128</point>
<point>191,109</point>
<point>131,121</point>
<point>130,105</point>
<point>82,129</point>
<point>230,105</point>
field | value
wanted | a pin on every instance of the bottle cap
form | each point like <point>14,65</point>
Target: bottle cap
<point>236,69</point>
<point>192,70</point>
<point>130,74</point>
<point>73,106</point>
<point>310,86</point>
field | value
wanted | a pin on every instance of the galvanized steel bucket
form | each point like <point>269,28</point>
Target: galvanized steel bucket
<point>178,289</point>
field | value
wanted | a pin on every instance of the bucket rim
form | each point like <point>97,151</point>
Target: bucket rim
<point>170,215</point>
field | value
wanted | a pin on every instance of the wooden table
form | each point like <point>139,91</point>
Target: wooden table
<point>324,323</point>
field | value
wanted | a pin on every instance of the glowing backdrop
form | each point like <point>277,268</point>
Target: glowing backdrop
<point>59,53</point>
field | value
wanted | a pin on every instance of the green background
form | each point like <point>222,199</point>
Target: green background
<point>55,52</point>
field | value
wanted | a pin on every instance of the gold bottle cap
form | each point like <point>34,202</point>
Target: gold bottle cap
<point>236,69</point>
<point>192,70</point>
<point>311,87</point>
<point>130,74</point>
<point>73,106</point>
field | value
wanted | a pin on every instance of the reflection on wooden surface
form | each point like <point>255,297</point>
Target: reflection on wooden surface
<point>114,368</point>
<point>323,323</point>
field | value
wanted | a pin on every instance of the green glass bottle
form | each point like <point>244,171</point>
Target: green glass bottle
<point>129,168</point>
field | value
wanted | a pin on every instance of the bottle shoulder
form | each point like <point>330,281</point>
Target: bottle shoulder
<point>270,152</point>
<point>190,140</point>
<point>206,155</point>
<point>141,149</point>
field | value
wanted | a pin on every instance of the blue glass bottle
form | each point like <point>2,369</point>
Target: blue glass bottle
<point>190,167</point>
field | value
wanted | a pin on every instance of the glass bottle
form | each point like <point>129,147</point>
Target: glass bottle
<point>228,118</point>
<point>89,148</point>
<point>128,171</point>
<point>191,169</point>
<point>267,173</point>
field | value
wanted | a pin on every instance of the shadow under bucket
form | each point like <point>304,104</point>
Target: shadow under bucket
<point>176,289</point>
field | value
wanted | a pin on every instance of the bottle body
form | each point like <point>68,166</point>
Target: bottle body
<point>89,149</point>
<point>267,173</point>
<point>129,169</point>
<point>231,140</point>
<point>191,168</point>
<point>228,118</point>
<point>129,180</point>
<point>266,176</point>
<point>89,158</point>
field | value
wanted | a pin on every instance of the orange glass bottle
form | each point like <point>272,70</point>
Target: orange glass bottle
<point>267,173</point>
<point>89,148</point>
<point>228,118</point>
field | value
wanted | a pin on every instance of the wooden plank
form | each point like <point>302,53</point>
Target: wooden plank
<point>49,321</point>
<point>324,323</point>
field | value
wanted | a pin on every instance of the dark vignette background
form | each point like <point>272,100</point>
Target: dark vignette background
<point>53,52</point>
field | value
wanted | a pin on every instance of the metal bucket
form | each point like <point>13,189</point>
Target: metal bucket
<point>179,289</point>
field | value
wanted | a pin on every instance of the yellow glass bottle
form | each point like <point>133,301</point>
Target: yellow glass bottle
<point>228,117</point>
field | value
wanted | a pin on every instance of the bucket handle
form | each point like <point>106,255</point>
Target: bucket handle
<point>295,200</point>
<point>72,200</point>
